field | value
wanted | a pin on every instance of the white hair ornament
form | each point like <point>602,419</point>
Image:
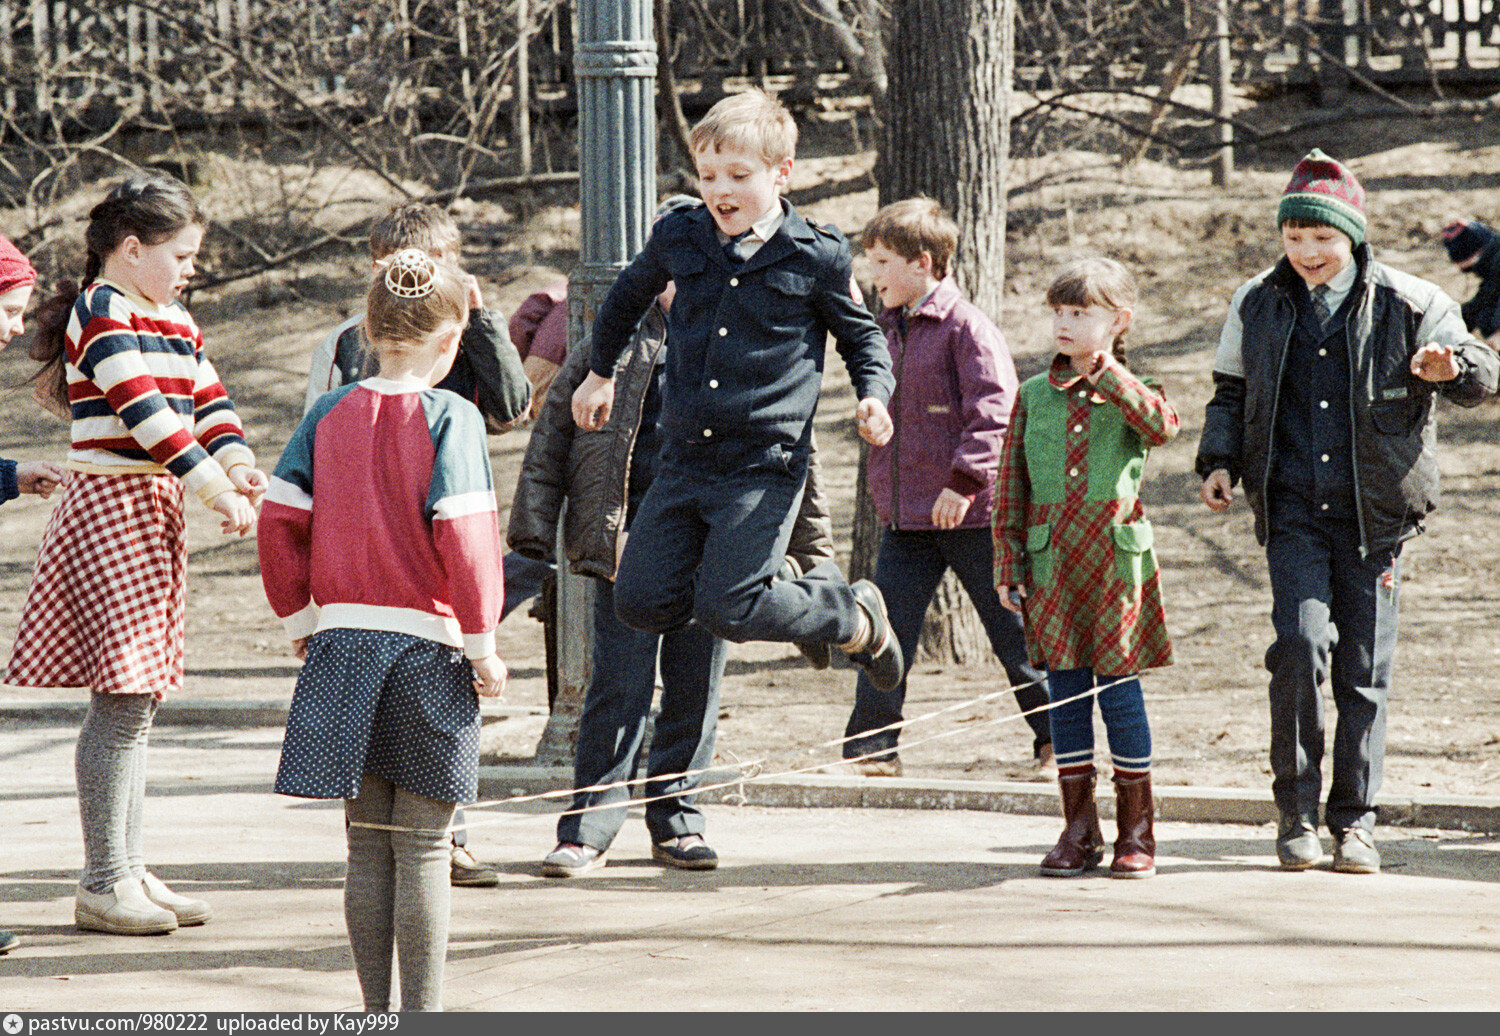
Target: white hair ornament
<point>410,274</point>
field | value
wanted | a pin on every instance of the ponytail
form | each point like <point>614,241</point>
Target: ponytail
<point>150,206</point>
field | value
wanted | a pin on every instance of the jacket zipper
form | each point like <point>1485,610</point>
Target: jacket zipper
<point>896,431</point>
<point>1265,488</point>
<point>1359,507</point>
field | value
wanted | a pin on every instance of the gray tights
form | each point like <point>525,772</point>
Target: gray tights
<point>396,894</point>
<point>110,766</point>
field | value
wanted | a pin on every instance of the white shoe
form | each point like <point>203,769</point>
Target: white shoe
<point>188,911</point>
<point>124,910</point>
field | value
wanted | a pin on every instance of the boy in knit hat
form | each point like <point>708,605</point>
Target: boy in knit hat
<point>1323,406</point>
<point>1472,246</point>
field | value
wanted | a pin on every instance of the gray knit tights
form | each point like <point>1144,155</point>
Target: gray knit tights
<point>110,766</point>
<point>396,894</point>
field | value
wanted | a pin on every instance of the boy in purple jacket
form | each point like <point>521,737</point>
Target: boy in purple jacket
<point>932,481</point>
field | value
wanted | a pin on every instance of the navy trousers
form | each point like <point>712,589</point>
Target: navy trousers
<point>613,725</point>
<point>908,568</point>
<point>706,544</point>
<point>1335,614</point>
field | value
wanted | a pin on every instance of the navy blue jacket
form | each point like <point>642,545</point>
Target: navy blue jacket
<point>748,340</point>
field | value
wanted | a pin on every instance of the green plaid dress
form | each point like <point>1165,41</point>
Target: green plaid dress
<point>1068,522</point>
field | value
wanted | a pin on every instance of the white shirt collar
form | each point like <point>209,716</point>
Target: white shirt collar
<point>1339,285</point>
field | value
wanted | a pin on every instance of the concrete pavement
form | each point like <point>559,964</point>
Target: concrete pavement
<point>812,909</point>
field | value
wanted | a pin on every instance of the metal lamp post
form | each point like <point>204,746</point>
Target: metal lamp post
<point>614,64</point>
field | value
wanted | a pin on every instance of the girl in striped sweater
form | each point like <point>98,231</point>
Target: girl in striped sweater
<point>106,605</point>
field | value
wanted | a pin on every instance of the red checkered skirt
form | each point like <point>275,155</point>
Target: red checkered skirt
<point>106,604</point>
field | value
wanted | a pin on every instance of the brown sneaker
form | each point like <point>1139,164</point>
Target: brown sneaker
<point>878,767</point>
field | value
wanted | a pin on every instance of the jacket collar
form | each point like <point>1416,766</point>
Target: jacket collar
<point>936,306</point>
<point>783,243</point>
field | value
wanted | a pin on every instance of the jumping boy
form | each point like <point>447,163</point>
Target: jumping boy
<point>1323,406</point>
<point>758,291</point>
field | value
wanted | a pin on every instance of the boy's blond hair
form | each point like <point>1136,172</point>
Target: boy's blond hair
<point>911,227</point>
<point>416,225</point>
<point>753,121</point>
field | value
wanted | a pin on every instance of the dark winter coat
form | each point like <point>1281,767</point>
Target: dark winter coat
<point>1389,316</point>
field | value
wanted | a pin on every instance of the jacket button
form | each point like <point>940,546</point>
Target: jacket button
<point>714,383</point>
<point>708,433</point>
<point>723,331</point>
<point>1325,458</point>
<point>1078,428</point>
<point>1323,404</point>
<point>734,282</point>
<point>1322,352</point>
<point>1073,472</point>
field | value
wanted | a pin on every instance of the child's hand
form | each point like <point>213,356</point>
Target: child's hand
<point>476,297</point>
<point>299,648</point>
<point>251,482</point>
<point>1102,362</point>
<point>490,675</point>
<point>1217,491</point>
<point>874,422</point>
<point>593,401</point>
<point>1011,596</point>
<point>239,515</point>
<point>949,509</point>
<point>39,476</point>
<point>1435,362</point>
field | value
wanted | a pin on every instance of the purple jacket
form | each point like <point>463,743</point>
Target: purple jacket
<point>955,385</point>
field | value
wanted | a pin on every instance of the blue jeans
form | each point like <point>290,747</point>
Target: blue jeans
<point>1124,712</point>
<point>907,570</point>
<point>1335,615</point>
<point>613,725</point>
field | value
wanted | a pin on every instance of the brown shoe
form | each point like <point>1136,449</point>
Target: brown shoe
<point>1081,846</point>
<point>1135,848</point>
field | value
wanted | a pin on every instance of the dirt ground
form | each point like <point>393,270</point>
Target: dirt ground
<point>1189,243</point>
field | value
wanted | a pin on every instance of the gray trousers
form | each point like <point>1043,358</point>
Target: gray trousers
<point>1335,618</point>
<point>109,764</point>
<point>396,894</point>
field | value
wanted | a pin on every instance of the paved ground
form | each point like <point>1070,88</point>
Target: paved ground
<point>813,909</point>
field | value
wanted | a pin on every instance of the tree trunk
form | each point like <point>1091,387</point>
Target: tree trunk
<point>945,133</point>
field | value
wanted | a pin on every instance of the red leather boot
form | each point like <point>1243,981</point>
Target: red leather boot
<point>1081,846</point>
<point>1135,848</point>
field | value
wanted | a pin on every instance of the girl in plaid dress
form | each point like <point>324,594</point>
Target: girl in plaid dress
<point>105,607</point>
<point>1073,550</point>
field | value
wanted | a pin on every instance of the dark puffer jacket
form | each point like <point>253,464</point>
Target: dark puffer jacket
<point>1392,417</point>
<point>591,470</point>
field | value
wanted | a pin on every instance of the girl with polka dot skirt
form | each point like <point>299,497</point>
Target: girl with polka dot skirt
<point>380,550</point>
<point>124,360</point>
<point>1073,549</point>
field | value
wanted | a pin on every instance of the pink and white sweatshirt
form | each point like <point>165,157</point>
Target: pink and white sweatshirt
<point>381,515</point>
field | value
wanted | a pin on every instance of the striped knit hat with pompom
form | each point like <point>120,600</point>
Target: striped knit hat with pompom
<point>1323,191</point>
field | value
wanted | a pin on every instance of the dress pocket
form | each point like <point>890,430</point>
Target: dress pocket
<point>1039,554</point>
<point>1135,561</point>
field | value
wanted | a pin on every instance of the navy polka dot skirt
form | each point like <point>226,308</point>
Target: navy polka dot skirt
<point>398,706</point>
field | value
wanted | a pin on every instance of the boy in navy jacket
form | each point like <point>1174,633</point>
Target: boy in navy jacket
<point>758,291</point>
